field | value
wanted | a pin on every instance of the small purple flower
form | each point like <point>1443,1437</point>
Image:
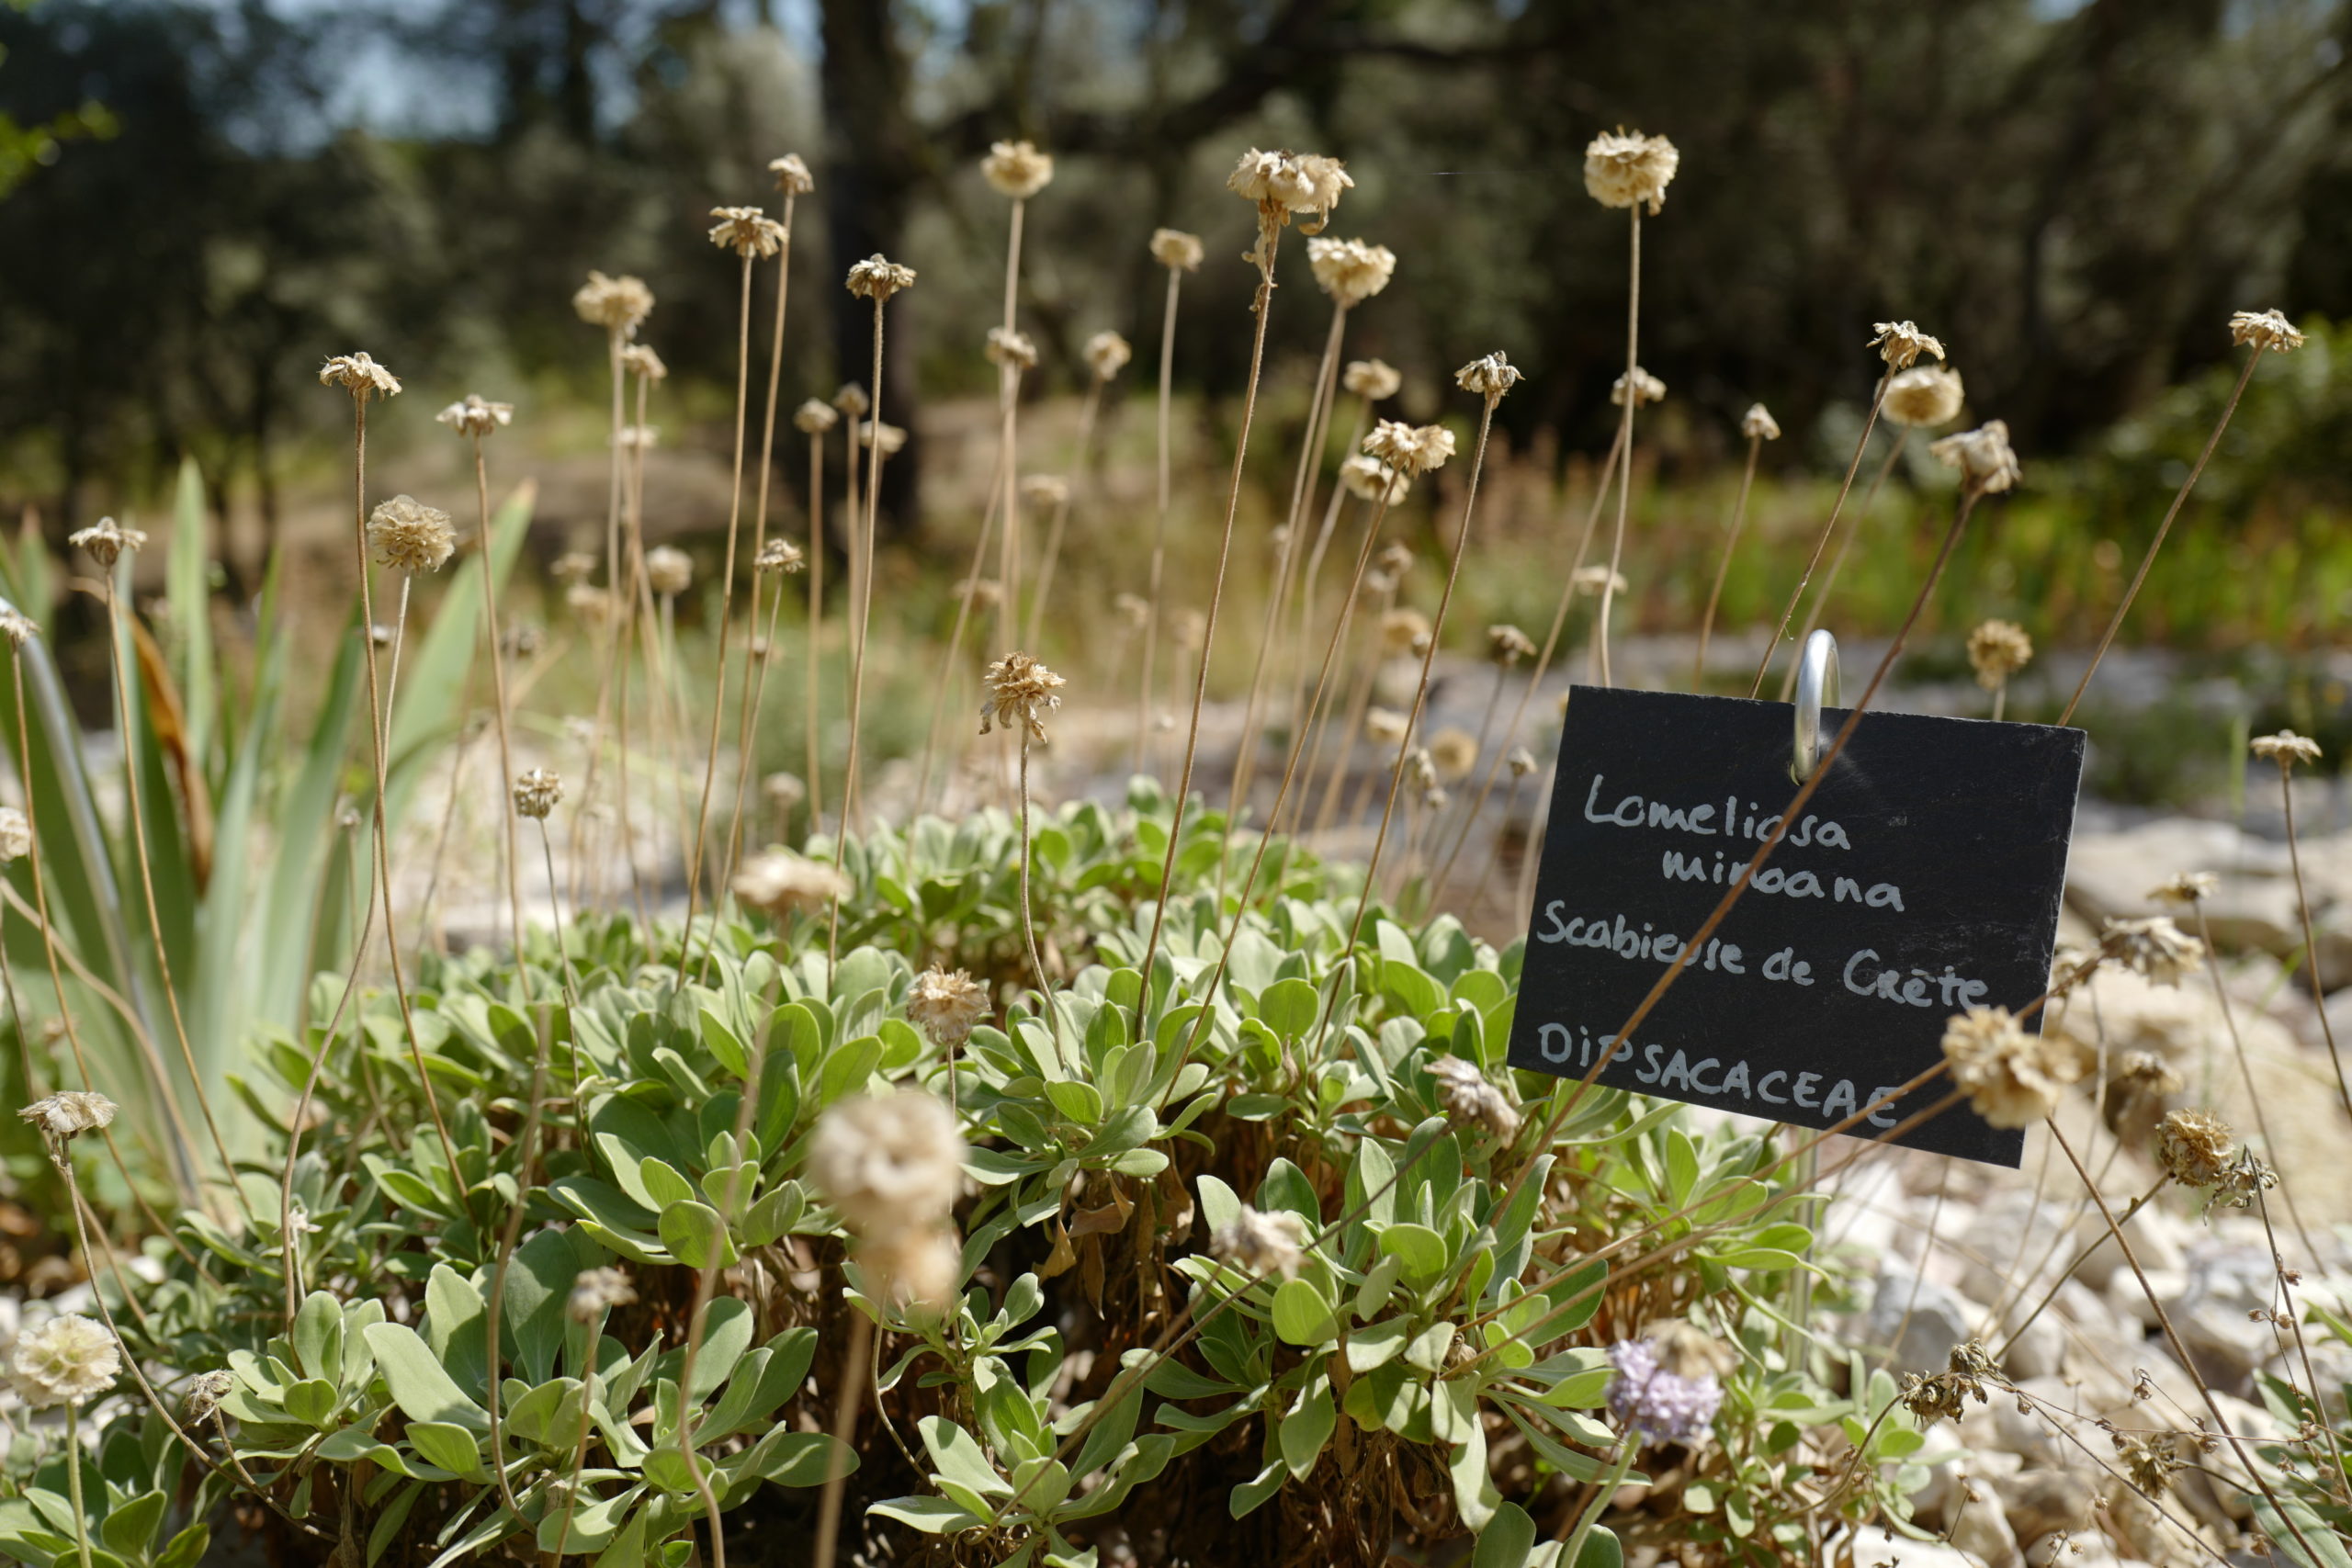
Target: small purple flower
<point>1660,1404</point>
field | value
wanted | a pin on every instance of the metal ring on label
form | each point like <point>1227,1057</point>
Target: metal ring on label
<point>1816,684</point>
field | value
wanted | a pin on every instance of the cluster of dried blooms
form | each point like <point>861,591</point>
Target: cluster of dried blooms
<point>1469,1099</point>
<point>1022,692</point>
<point>1923,396</point>
<point>1996,650</point>
<point>406,536</point>
<point>1262,1244</point>
<point>1646,388</point>
<point>537,792</point>
<point>69,1112</point>
<point>893,1165</point>
<point>2012,1078</point>
<point>66,1361</point>
<point>1624,168</point>
<point>778,883</point>
<point>1987,465</point>
<point>1349,271</point>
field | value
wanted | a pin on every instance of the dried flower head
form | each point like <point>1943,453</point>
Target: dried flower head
<point>2149,1460</point>
<point>1924,396</point>
<point>1133,610</point>
<point>619,305</point>
<point>1349,271</point>
<point>2245,1179</point>
<point>1468,1099</point>
<point>359,375</point>
<point>595,1292</point>
<point>2187,889</point>
<point>1423,767</point>
<point>1286,183</point>
<point>1012,348</point>
<point>1489,376</point>
<point>205,1392</point>
<point>784,790</point>
<point>985,593</point>
<point>16,835</point>
<point>637,437</point>
<point>16,627</point>
<point>668,570</point>
<point>876,436</point>
<point>2139,1084</point>
<point>537,792</point>
<point>778,555</point>
<point>69,1112</point>
<point>2194,1147</point>
<point>1371,379</point>
<point>1044,490</point>
<point>1396,558</point>
<point>2265,329</point>
<point>1625,168</point>
<point>1647,388</point>
<point>1176,250</point>
<point>814,418</point>
<point>878,277</point>
<point>2012,1078</point>
<point>573,566</point>
<point>640,361</point>
<point>64,1361</point>
<point>476,416</point>
<point>850,399</point>
<point>1996,650</point>
<point>1455,752</point>
<point>1661,1406</point>
<point>588,602</point>
<point>890,1163</point>
<point>2286,748</point>
<point>1384,725</point>
<point>792,176</point>
<point>1017,169</point>
<point>1521,761</point>
<point>1987,464</point>
<point>1412,450</point>
<point>1107,353</point>
<point>522,639</point>
<point>1507,645</point>
<point>1369,478</point>
<point>106,541</point>
<point>1591,579</point>
<point>2155,948</point>
<point>1757,423</point>
<point>1262,1244</point>
<point>944,1004</point>
<point>1943,1396</point>
<point>1404,630</point>
<point>1022,692</point>
<point>916,1272</point>
<point>404,534</point>
<point>1900,344</point>
<point>779,883</point>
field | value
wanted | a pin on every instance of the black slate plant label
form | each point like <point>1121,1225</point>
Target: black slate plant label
<point>1923,876</point>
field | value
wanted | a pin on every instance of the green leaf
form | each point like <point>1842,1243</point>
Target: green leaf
<point>452,1448</point>
<point>1420,1248</point>
<point>1220,1205</point>
<point>725,1334</point>
<point>959,1458</point>
<point>1601,1549</point>
<point>696,1236</point>
<point>795,1459</point>
<point>418,1385</point>
<point>317,1336</point>
<point>129,1526</point>
<point>1289,1007</point>
<point>1301,1314</point>
<point>187,1548</point>
<point>1082,1103</point>
<point>932,1516</point>
<point>1509,1537</point>
<point>1377,1343</point>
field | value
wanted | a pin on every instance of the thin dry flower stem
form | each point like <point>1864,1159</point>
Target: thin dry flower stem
<point>618,607</point>
<point>1160,523</point>
<point>2172,1336</point>
<point>811,718</point>
<point>2339,1484</point>
<point>1340,722</point>
<point>1008,393</point>
<point>726,625</point>
<point>1796,594</point>
<point>498,693</point>
<point>595,1333</point>
<point>861,549</point>
<point>1303,616</point>
<point>555,911</point>
<point>496,1297</point>
<point>116,634</point>
<point>1270,235</point>
<point>1089,410</point>
<point>751,657</point>
<point>2311,942</point>
<point>2081,1257</point>
<point>2246,1069</point>
<point>1470,806</point>
<point>1625,441</point>
<point>2180,498</point>
<point>845,1403</point>
<point>1838,562</point>
<point>756,698</point>
<point>1351,725</point>
<point>936,732</point>
<point>1723,566</point>
<point>639,617</point>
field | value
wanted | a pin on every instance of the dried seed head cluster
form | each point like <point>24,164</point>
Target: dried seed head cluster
<point>668,570</point>
<point>779,883</point>
<point>359,375</point>
<point>2194,1147</point>
<point>2154,949</point>
<point>879,436</point>
<point>476,415</point>
<point>1262,1244</point>
<point>1384,725</point>
<point>1996,650</point>
<point>1012,348</point>
<point>1022,692</point>
<point>1132,609</point>
<point>792,176</point>
<point>1944,1396</point>
<point>106,541</point>
<point>641,360</point>
<point>1986,463</point>
<point>69,1112</point>
<point>2148,1459</point>
<point>1468,1099</point>
<point>1647,388</point>
<point>784,790</point>
<point>746,231</point>
<point>778,555</point>
<point>66,1361</point>
<point>205,1392</point>
<point>1412,450</point>
<point>16,835</point>
<point>537,793</point>
<point>1489,376</point>
<point>2012,1078</point>
<point>1107,353</point>
<point>2186,890</point>
<point>1404,630</point>
<point>1286,183</point>
<point>1454,751</point>
<point>1757,423</point>
<point>1591,579</point>
<point>1507,645</point>
<point>1371,379</point>
<point>619,305</point>
<point>1176,250</point>
<point>2265,329</point>
<point>1044,490</point>
<point>1017,169</point>
<point>1924,396</point>
<point>1901,344</point>
<point>1369,478</point>
<point>17,627</point>
<point>406,536</point>
<point>573,566</point>
<point>878,277</point>
<point>2139,1086</point>
<point>1624,168</point>
<point>1521,761</point>
<point>850,399</point>
<point>595,1292</point>
<point>1662,1406</point>
<point>889,1163</point>
<point>2286,748</point>
<point>1349,271</point>
<point>814,417</point>
<point>944,1004</point>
